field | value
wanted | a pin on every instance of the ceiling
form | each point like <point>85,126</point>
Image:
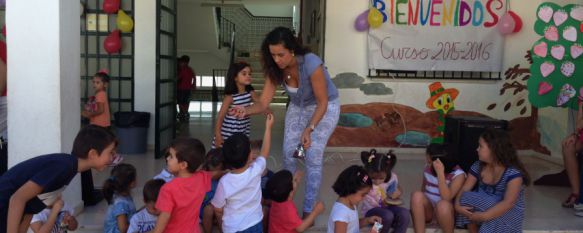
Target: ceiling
<point>273,8</point>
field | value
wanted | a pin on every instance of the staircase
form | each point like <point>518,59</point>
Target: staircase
<point>258,79</point>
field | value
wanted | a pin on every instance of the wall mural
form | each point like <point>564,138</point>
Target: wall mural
<point>405,126</point>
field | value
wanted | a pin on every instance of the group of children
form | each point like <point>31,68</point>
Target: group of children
<point>230,186</point>
<point>489,199</point>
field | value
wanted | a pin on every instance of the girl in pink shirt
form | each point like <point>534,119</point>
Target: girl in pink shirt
<point>97,107</point>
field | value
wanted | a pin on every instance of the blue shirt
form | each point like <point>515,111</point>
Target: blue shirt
<point>122,205</point>
<point>307,64</point>
<point>52,172</point>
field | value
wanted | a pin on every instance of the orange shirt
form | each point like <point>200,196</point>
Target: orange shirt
<point>102,119</point>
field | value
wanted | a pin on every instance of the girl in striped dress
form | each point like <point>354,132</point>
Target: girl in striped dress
<point>442,180</point>
<point>238,92</point>
<point>497,205</point>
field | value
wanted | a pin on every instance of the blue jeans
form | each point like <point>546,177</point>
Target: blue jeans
<point>292,137</point>
<point>257,228</point>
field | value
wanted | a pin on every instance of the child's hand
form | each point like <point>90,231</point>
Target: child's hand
<point>396,194</point>
<point>218,140</point>
<point>269,120</point>
<point>319,207</point>
<point>58,205</point>
<point>373,219</point>
<point>464,210</point>
<point>438,166</point>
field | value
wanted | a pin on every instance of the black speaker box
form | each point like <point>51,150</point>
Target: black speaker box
<point>462,134</point>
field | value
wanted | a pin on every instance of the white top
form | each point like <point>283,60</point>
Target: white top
<point>164,175</point>
<point>240,196</point>
<point>142,221</point>
<point>432,183</point>
<point>291,89</point>
<point>43,217</point>
<point>341,213</point>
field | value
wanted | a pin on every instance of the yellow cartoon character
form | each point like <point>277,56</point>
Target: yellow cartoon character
<point>442,100</point>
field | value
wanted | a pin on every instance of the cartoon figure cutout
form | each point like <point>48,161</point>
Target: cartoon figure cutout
<point>442,100</point>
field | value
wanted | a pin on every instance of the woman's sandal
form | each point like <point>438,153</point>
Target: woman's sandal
<point>571,200</point>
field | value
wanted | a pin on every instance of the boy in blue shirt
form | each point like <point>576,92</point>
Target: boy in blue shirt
<point>32,185</point>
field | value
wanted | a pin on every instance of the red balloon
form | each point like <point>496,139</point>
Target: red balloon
<point>112,43</point>
<point>111,6</point>
<point>581,27</point>
<point>517,21</point>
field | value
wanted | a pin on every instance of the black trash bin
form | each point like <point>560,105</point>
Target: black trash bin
<point>132,131</point>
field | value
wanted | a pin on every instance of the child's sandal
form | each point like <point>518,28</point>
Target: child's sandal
<point>571,200</point>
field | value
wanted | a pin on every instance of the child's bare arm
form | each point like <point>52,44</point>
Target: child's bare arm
<point>161,223</point>
<point>17,202</point>
<point>267,136</point>
<point>309,221</point>
<point>219,214</point>
<point>454,187</point>
<point>227,101</point>
<point>122,223</point>
<point>510,196</point>
<point>46,227</point>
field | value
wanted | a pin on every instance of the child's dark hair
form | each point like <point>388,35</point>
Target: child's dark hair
<point>236,151</point>
<point>256,145</point>
<point>119,181</point>
<point>351,180</point>
<point>280,185</point>
<point>214,159</point>
<point>439,151</point>
<point>378,162</point>
<point>92,137</point>
<point>184,58</point>
<point>503,151</point>
<point>189,150</point>
<point>103,76</point>
<point>152,189</point>
<point>231,85</point>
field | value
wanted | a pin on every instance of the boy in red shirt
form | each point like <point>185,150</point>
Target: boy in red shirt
<point>179,200</point>
<point>185,85</point>
<point>283,215</point>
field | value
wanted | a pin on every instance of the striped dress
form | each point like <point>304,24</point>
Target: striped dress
<point>486,196</point>
<point>232,124</point>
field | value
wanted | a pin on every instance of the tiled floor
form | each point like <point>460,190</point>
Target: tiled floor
<point>543,214</point>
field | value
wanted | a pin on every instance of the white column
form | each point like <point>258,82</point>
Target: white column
<point>43,39</point>
<point>145,61</point>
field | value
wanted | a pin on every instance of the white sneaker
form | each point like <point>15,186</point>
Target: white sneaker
<point>578,206</point>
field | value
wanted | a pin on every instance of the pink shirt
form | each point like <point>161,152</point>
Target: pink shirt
<point>182,198</point>
<point>102,119</point>
<point>283,217</point>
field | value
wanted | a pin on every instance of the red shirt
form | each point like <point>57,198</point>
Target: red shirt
<point>283,217</point>
<point>185,78</point>
<point>182,198</point>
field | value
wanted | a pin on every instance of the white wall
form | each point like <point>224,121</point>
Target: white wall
<point>197,38</point>
<point>474,96</point>
<point>43,102</point>
<point>145,61</point>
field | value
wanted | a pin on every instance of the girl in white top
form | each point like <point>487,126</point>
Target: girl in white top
<point>442,180</point>
<point>351,186</point>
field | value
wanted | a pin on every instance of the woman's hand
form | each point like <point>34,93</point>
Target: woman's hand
<point>307,138</point>
<point>237,111</point>
<point>373,219</point>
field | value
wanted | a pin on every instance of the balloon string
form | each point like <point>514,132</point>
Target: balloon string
<point>507,6</point>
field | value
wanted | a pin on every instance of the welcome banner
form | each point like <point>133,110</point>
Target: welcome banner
<point>451,35</point>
